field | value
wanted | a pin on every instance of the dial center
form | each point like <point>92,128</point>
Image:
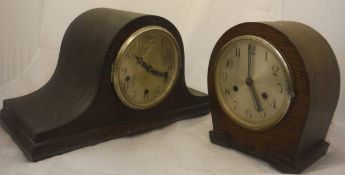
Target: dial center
<point>249,82</point>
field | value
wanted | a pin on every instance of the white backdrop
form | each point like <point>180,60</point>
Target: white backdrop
<point>31,34</point>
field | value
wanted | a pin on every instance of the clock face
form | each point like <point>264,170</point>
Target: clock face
<point>253,83</point>
<point>146,67</point>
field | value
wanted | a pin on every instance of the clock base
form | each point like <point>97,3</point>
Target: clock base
<point>51,146</point>
<point>282,163</point>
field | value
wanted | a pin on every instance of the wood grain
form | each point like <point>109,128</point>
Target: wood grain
<point>298,140</point>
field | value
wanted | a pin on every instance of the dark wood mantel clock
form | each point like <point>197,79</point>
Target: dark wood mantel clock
<point>118,73</point>
<point>273,89</point>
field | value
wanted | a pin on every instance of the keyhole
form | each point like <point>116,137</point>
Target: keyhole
<point>264,95</point>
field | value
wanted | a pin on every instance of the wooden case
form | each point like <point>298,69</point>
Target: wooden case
<point>298,140</point>
<point>78,106</point>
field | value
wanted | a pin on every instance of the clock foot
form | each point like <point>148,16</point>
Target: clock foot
<point>219,138</point>
<point>300,163</point>
<point>280,162</point>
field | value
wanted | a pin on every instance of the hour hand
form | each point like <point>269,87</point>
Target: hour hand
<point>256,100</point>
<point>150,69</point>
<point>257,103</point>
<point>141,62</point>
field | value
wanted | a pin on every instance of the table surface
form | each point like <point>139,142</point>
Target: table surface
<point>179,148</point>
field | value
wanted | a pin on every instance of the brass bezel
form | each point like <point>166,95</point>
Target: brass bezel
<point>237,119</point>
<point>120,56</point>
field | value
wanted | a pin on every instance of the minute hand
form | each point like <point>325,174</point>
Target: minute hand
<point>251,51</point>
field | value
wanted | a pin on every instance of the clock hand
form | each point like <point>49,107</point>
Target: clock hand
<point>150,69</point>
<point>250,81</point>
<point>254,95</point>
<point>251,51</point>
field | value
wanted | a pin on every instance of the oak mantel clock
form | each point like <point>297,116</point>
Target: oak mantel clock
<point>273,89</point>
<point>118,73</point>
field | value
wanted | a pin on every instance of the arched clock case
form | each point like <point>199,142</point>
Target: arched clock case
<point>296,139</point>
<point>79,105</point>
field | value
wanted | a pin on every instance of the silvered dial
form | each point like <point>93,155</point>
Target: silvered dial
<point>253,82</point>
<point>146,67</point>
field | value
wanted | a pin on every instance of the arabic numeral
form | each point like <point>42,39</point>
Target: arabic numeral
<point>157,91</point>
<point>229,63</point>
<point>280,88</point>
<point>238,52</point>
<point>235,104</point>
<point>224,76</point>
<point>273,104</point>
<point>275,70</point>
<point>227,91</point>
<point>146,94</point>
<point>249,113</point>
<point>263,114</point>
<point>134,92</point>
